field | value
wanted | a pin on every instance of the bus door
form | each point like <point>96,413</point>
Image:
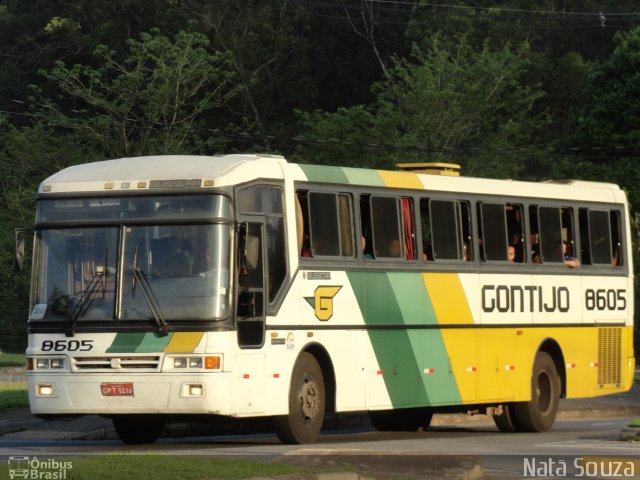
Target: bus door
<point>261,260</point>
<point>251,282</point>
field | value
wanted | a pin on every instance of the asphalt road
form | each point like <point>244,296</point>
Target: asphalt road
<point>454,447</point>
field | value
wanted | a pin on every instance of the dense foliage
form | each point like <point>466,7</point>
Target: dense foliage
<point>526,89</point>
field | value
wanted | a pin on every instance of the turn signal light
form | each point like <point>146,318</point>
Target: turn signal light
<point>213,362</point>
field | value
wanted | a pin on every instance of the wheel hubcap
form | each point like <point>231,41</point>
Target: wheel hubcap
<point>309,401</point>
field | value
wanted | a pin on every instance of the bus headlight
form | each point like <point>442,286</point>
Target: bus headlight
<point>42,363</point>
<point>180,362</point>
<point>45,363</point>
<point>194,363</point>
<point>57,363</point>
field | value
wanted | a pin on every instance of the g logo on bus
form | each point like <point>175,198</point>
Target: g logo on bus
<point>322,301</point>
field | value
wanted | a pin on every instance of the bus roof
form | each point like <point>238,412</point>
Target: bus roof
<point>178,171</point>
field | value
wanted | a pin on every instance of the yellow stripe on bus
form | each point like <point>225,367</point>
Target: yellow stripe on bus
<point>448,298</point>
<point>451,307</point>
<point>400,179</point>
<point>184,342</point>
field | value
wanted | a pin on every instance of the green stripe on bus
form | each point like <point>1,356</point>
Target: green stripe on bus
<point>152,342</point>
<point>412,298</point>
<point>381,307</point>
<point>358,176</point>
<point>437,377</point>
<point>319,173</point>
<point>414,363</point>
<point>400,369</point>
<point>139,343</point>
<point>125,342</point>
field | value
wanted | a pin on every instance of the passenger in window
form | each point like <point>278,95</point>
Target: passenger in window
<point>365,253</point>
<point>535,249</point>
<point>569,260</point>
<point>511,254</point>
<point>394,248</point>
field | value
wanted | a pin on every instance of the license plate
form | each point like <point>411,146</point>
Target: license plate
<point>117,389</point>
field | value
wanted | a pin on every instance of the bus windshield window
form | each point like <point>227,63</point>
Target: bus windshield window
<point>187,268</point>
<point>68,262</point>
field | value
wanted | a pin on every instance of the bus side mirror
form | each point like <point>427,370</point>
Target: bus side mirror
<point>18,263</point>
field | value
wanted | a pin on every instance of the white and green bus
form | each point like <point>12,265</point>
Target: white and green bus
<point>246,286</point>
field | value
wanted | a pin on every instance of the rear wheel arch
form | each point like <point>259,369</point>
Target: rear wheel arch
<point>551,347</point>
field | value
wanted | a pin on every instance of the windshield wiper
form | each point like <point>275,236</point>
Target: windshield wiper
<point>140,278</point>
<point>99,278</point>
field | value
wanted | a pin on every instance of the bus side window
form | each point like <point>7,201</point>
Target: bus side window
<point>494,231</point>
<point>385,217</point>
<point>425,221</point>
<point>515,232</point>
<point>550,234</point>
<point>302,224</point>
<point>447,243</point>
<point>366,239</point>
<point>331,224</point>
<point>265,202</point>
<point>600,237</point>
<point>568,238</point>
<point>467,233</point>
<point>408,229</point>
<point>616,239</point>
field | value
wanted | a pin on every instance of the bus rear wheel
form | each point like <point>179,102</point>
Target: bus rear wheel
<point>539,413</point>
<point>306,403</point>
<point>401,420</point>
<point>506,421</point>
<point>138,429</point>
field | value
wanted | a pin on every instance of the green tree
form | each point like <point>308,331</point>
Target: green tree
<point>149,102</point>
<point>28,155</point>
<point>449,102</point>
<point>612,116</point>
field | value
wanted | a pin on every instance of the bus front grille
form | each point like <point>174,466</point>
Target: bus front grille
<point>117,363</point>
<point>609,357</point>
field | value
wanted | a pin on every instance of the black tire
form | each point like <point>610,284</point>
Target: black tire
<point>539,414</point>
<point>506,422</point>
<point>401,420</point>
<point>306,403</point>
<point>138,429</point>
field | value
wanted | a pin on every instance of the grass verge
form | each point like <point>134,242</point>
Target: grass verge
<point>158,467</point>
<point>12,360</point>
<point>635,423</point>
<point>13,395</point>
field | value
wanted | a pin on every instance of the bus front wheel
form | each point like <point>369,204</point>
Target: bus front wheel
<point>539,413</point>
<point>306,403</point>
<point>138,429</point>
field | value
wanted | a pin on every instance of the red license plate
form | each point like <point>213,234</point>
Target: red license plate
<point>117,389</point>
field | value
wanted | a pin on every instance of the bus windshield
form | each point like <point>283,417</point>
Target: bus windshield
<point>87,274</point>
